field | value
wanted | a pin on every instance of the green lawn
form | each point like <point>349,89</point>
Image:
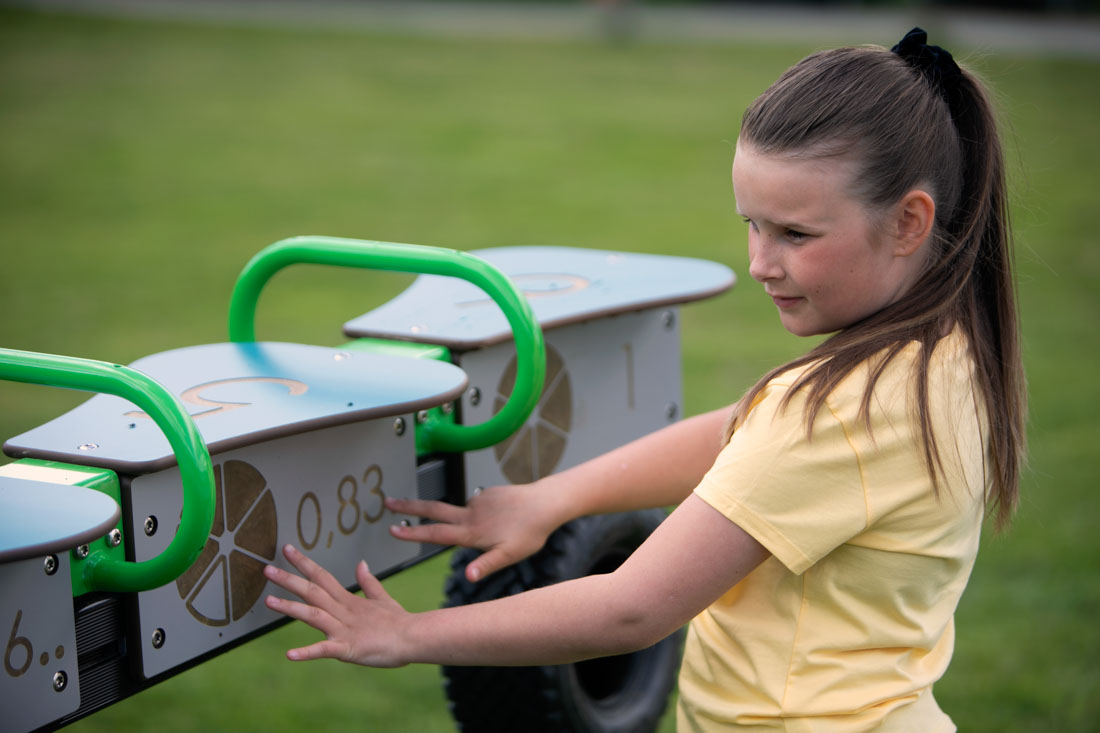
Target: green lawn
<point>142,164</point>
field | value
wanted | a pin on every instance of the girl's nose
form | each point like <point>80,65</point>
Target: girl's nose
<point>762,262</point>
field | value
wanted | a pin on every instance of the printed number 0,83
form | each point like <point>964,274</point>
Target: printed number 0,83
<point>351,511</point>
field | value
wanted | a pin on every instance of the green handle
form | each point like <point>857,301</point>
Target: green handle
<point>435,435</point>
<point>102,572</point>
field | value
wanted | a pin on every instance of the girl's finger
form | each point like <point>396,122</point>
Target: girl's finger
<point>436,534</point>
<point>370,585</point>
<point>289,582</point>
<point>326,649</point>
<point>437,511</point>
<point>307,614</point>
<point>486,564</point>
<point>314,572</point>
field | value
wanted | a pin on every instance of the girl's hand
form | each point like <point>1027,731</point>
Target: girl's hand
<point>509,523</point>
<point>365,630</point>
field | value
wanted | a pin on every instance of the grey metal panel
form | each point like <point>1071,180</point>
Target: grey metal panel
<point>431,481</point>
<point>36,619</point>
<point>431,485</point>
<point>564,285</point>
<point>240,394</point>
<point>609,381</point>
<point>321,491</point>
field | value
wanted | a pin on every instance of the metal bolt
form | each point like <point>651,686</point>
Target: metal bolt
<point>114,538</point>
<point>81,552</point>
<point>405,523</point>
<point>158,638</point>
<point>671,410</point>
<point>60,681</point>
<point>422,416</point>
<point>50,565</point>
<point>478,490</point>
<point>447,408</point>
<point>399,426</point>
<point>150,526</point>
<point>87,446</point>
<point>475,396</point>
<point>668,319</point>
<point>341,355</point>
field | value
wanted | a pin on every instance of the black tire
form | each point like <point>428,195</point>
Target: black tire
<point>621,694</point>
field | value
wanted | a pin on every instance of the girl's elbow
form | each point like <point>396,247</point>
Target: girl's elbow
<point>633,631</point>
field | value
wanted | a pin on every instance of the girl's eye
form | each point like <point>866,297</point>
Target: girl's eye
<point>748,221</point>
<point>796,236</point>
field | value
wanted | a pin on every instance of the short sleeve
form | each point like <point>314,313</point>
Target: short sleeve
<point>800,497</point>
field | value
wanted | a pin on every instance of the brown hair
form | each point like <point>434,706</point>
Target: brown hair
<point>871,106</point>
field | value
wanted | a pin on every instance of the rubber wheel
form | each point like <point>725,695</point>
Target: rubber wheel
<point>621,694</point>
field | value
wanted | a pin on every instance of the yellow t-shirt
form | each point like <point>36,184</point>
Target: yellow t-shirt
<point>848,624</point>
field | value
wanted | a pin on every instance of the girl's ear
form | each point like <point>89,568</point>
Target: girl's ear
<point>916,213</point>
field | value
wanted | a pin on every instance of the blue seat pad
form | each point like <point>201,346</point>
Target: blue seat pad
<point>242,394</point>
<point>39,518</point>
<point>564,285</point>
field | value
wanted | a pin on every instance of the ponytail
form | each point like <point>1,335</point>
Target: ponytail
<point>989,292</point>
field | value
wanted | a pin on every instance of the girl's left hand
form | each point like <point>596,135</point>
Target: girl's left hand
<point>360,629</point>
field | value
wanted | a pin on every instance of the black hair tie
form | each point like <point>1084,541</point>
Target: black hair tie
<point>933,62</point>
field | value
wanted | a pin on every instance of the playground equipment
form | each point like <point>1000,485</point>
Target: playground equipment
<point>134,529</point>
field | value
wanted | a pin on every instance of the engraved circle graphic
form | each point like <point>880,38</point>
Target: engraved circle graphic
<point>535,449</point>
<point>227,579</point>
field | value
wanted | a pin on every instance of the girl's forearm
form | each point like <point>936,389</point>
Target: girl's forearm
<point>567,622</point>
<point>656,470</point>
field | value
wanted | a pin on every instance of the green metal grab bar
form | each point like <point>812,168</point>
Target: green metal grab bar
<point>102,572</point>
<point>433,435</point>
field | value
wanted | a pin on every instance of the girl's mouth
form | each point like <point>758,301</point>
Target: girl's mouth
<point>785,302</point>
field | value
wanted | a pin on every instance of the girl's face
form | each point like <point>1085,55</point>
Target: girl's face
<point>822,256</point>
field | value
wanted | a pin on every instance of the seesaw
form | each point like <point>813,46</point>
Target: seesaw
<point>134,529</point>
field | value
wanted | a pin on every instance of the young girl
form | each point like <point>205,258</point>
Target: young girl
<point>822,539</point>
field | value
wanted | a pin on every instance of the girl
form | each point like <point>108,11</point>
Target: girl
<point>820,548</point>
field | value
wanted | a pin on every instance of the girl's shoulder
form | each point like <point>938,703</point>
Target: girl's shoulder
<point>893,378</point>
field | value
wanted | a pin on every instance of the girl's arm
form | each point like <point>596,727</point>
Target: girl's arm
<point>692,559</point>
<point>513,522</point>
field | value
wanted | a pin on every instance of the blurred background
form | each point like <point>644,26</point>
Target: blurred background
<point>148,149</point>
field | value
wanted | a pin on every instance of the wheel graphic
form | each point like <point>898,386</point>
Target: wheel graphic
<point>227,579</point>
<point>535,449</point>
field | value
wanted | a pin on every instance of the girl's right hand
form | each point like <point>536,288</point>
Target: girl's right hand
<point>509,523</point>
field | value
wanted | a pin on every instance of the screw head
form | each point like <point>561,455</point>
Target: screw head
<point>671,410</point>
<point>399,426</point>
<point>87,446</point>
<point>668,319</point>
<point>60,681</point>
<point>50,564</point>
<point>81,552</point>
<point>475,396</point>
<point>114,538</point>
<point>422,416</point>
<point>158,638</point>
<point>150,526</point>
<point>447,408</point>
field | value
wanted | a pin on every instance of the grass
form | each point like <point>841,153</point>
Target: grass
<point>142,164</point>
